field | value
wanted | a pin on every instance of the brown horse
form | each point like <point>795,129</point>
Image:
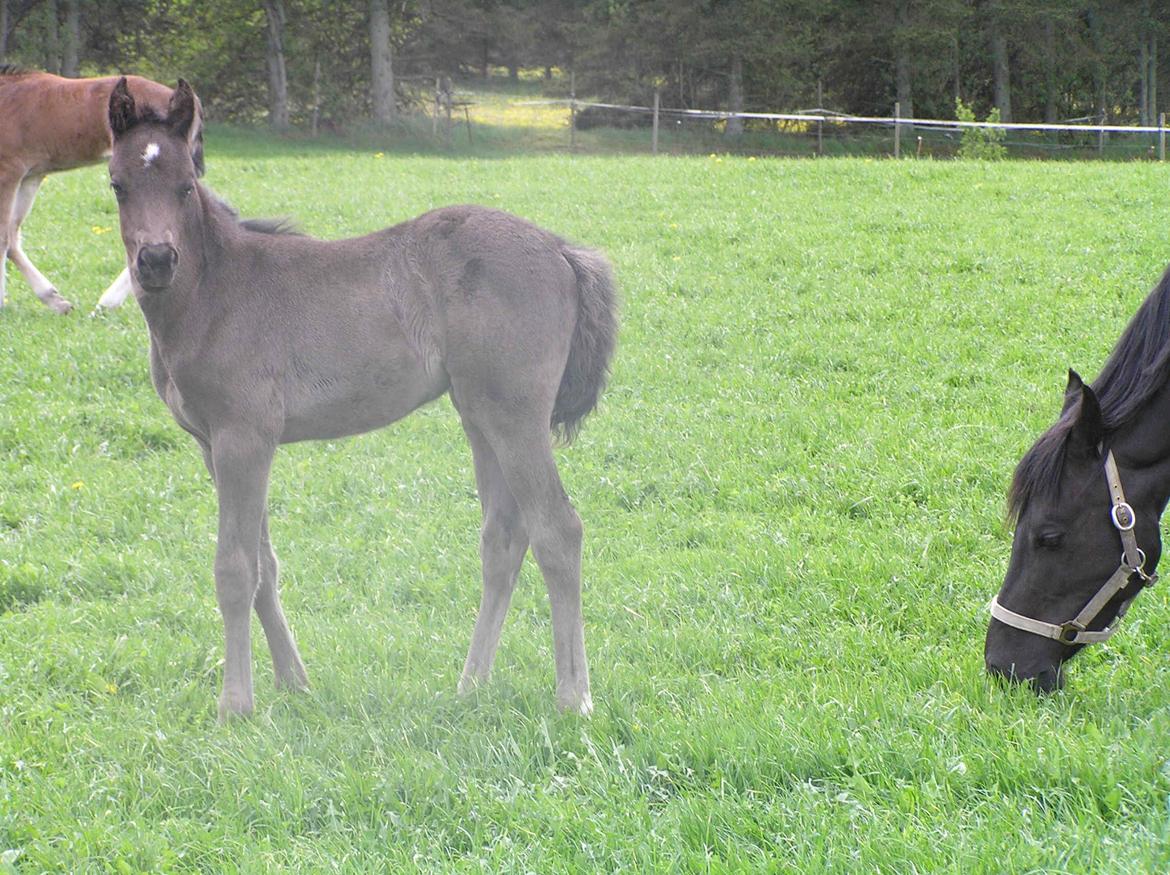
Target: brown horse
<point>47,124</point>
<point>259,338</point>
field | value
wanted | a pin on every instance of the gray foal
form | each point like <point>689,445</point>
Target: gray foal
<point>260,337</point>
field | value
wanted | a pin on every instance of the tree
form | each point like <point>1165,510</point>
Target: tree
<point>1001,63</point>
<point>71,54</point>
<point>277,72</point>
<point>382,65</point>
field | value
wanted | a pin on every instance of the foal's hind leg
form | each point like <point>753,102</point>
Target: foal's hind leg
<point>286,660</point>
<point>502,544</point>
<point>44,289</point>
<point>523,449</point>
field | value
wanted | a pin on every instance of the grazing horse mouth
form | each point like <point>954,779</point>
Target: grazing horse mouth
<point>1046,681</point>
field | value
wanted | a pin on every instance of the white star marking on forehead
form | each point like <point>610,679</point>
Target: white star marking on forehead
<point>149,154</point>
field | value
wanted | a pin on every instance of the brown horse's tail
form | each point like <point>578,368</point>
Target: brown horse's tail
<point>593,342</point>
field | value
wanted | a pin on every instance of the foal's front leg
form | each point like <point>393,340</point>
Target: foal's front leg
<point>241,463</point>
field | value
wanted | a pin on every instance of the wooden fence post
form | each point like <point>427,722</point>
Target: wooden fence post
<point>897,130</point>
<point>820,123</point>
<point>572,111</point>
<point>654,137</point>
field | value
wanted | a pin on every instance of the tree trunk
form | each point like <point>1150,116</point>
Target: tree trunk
<point>52,38</point>
<point>381,65</point>
<point>957,59</point>
<point>277,74</point>
<point>1099,75</point>
<point>1050,86</point>
<point>3,29</point>
<point>902,70</point>
<point>1152,58</point>
<point>71,59</point>
<point>1144,80</point>
<point>735,97</point>
<point>1001,66</point>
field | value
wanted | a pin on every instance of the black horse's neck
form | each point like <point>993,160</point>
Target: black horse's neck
<point>1142,445</point>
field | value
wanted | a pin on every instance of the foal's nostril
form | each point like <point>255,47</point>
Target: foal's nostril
<point>158,258</point>
<point>156,265</point>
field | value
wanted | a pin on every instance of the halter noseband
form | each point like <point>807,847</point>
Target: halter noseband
<point>1133,561</point>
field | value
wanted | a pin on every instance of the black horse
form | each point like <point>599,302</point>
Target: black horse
<point>1092,489</point>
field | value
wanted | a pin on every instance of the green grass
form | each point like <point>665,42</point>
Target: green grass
<point>793,499</point>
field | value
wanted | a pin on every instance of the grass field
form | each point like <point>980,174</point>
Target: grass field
<point>793,499</point>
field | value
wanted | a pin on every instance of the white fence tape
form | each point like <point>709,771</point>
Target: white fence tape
<point>832,117</point>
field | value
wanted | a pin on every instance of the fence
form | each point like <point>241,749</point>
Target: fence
<point>808,131</point>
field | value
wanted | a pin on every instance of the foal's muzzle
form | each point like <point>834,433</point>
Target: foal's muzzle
<point>156,265</point>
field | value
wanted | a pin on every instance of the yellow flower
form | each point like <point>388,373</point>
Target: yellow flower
<point>77,485</point>
<point>379,154</point>
<point>98,229</point>
<point>111,688</point>
<point>751,158</point>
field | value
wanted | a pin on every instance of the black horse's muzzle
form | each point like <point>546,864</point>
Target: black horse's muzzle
<point>156,265</point>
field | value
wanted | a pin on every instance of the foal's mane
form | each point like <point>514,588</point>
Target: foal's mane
<point>1137,368</point>
<point>276,226</point>
<point>15,70</point>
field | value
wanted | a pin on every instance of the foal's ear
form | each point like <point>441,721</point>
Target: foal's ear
<point>181,112</point>
<point>123,112</point>
<point>1088,427</point>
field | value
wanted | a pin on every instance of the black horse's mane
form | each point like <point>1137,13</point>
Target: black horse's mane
<point>1137,368</point>
<point>15,70</point>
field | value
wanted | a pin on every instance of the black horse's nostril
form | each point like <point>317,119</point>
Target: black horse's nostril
<point>1047,680</point>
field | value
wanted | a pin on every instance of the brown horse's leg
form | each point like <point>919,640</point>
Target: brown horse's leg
<point>9,184</point>
<point>44,289</point>
<point>502,545</point>
<point>241,462</point>
<point>523,448</point>
<point>286,660</point>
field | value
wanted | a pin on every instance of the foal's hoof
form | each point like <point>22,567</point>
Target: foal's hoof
<point>53,300</point>
<point>579,703</point>
<point>469,683</point>
<point>234,708</point>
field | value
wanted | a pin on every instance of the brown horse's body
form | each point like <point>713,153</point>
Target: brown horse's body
<point>48,124</point>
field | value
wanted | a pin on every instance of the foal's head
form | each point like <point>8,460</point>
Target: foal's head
<point>153,173</point>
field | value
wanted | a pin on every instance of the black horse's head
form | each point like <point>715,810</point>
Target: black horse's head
<point>1071,563</point>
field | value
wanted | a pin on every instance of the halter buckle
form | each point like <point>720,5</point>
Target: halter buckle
<point>1123,516</point>
<point>1070,630</point>
<point>1140,568</point>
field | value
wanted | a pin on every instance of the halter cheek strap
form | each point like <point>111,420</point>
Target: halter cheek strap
<point>1133,561</point>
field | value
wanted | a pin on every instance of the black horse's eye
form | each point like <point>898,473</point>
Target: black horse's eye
<point>1050,540</point>
<point>119,191</point>
<point>185,191</point>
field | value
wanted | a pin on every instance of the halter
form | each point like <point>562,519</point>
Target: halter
<point>1133,561</point>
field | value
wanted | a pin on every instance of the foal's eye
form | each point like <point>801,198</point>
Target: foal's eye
<point>1050,540</point>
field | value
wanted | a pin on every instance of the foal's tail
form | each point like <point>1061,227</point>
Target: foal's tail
<point>593,341</point>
